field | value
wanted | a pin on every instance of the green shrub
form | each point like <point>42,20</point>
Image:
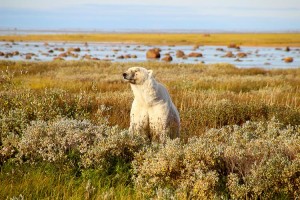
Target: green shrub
<point>78,142</point>
<point>255,160</point>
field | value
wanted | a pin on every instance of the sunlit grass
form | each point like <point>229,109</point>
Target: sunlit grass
<point>246,39</point>
<point>207,96</point>
<point>52,181</point>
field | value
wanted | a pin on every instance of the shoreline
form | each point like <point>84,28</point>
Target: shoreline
<point>180,39</point>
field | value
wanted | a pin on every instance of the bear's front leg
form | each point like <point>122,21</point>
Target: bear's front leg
<point>158,122</point>
<point>139,120</point>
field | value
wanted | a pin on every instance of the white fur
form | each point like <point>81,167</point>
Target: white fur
<point>153,112</point>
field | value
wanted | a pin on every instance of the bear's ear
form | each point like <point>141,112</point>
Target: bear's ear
<point>150,72</point>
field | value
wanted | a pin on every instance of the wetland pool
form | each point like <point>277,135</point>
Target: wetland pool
<point>243,57</point>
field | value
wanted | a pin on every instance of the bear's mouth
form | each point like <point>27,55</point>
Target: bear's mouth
<point>128,78</point>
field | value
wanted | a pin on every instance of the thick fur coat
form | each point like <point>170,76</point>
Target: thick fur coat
<point>153,113</point>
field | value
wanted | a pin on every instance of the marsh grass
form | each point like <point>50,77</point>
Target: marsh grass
<point>247,39</point>
<point>52,181</point>
<point>207,96</point>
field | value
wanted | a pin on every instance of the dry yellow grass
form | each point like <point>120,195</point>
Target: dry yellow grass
<point>246,39</point>
<point>207,96</point>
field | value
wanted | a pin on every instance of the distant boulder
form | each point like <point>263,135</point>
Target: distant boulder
<point>179,54</point>
<point>167,58</point>
<point>195,54</point>
<point>16,53</point>
<point>288,59</point>
<point>229,54</point>
<point>76,49</point>
<point>241,55</point>
<point>196,46</point>
<point>65,54</point>
<point>86,56</point>
<point>1,53</point>
<point>219,49</point>
<point>232,45</point>
<point>134,56</point>
<point>59,49</point>
<point>153,53</point>
<point>127,56</point>
<point>8,55</point>
<point>287,49</point>
<point>28,56</point>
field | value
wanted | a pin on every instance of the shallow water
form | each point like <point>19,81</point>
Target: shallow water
<point>263,57</point>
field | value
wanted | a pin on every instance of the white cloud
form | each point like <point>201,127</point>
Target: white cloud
<point>44,4</point>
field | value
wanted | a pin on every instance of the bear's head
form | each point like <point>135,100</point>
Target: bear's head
<point>137,75</point>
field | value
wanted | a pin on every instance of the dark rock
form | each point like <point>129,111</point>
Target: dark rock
<point>232,45</point>
<point>77,49</point>
<point>238,60</point>
<point>288,59</point>
<point>16,53</point>
<point>241,55</point>
<point>8,55</point>
<point>229,54</point>
<point>195,54</point>
<point>179,54</point>
<point>59,49</point>
<point>196,46</point>
<point>287,49</point>
<point>65,54</point>
<point>86,56</point>
<point>127,56</point>
<point>153,53</point>
<point>167,58</point>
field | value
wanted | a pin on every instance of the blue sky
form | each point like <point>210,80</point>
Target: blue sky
<point>209,15</point>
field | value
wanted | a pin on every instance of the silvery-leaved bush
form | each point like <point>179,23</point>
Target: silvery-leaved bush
<point>255,160</point>
<point>96,146</point>
<point>53,141</point>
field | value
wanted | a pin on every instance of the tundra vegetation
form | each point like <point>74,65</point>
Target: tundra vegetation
<point>63,127</point>
<point>246,39</point>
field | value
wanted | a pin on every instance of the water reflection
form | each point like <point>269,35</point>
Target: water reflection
<point>264,57</point>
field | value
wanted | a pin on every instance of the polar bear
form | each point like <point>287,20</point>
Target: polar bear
<point>153,113</point>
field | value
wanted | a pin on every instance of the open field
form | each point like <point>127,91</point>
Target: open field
<point>63,131</point>
<point>245,39</point>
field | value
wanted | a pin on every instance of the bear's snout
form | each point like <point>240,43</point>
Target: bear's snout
<point>124,75</point>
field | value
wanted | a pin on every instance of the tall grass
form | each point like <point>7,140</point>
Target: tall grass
<point>248,39</point>
<point>39,100</point>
